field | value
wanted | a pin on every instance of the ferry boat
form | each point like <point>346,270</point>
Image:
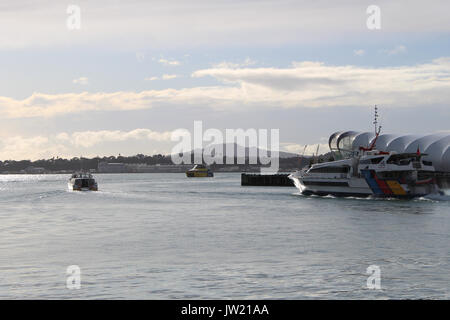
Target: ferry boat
<point>82,182</point>
<point>198,171</point>
<point>375,173</point>
<point>370,172</point>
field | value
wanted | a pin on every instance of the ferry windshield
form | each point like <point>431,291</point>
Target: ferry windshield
<point>403,159</point>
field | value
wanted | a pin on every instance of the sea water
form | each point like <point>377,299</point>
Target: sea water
<point>165,236</point>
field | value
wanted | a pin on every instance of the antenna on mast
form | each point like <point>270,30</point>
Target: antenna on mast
<point>375,121</point>
<point>377,132</point>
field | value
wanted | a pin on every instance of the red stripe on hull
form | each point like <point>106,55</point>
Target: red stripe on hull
<point>383,186</point>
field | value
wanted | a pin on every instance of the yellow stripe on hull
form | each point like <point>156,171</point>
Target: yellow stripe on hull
<point>396,188</point>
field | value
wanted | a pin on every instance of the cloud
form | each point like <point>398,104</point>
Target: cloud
<point>304,84</point>
<point>65,144</point>
<point>169,76</point>
<point>91,143</point>
<point>359,52</point>
<point>82,80</point>
<point>202,22</point>
<point>314,84</point>
<point>30,148</point>
<point>233,65</point>
<point>169,62</point>
<point>47,105</point>
<point>91,138</point>
<point>400,49</point>
<point>164,77</point>
<point>307,150</point>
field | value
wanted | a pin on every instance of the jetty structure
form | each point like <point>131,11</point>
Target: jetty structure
<point>266,180</point>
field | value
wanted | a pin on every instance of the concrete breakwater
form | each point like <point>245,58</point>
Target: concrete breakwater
<point>270,180</point>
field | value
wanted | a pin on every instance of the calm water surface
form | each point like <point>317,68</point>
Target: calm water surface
<point>164,236</point>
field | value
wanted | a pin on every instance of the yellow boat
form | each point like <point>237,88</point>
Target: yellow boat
<point>199,171</point>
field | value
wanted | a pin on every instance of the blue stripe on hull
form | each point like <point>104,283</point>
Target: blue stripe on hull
<point>372,183</point>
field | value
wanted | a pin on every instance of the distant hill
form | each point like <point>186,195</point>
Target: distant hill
<point>248,151</point>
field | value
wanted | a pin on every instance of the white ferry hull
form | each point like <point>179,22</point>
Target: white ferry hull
<point>355,187</point>
<point>359,187</point>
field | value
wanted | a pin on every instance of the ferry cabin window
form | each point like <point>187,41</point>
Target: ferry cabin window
<point>399,162</point>
<point>390,175</point>
<point>372,161</point>
<point>427,163</point>
<point>402,160</point>
<point>330,170</point>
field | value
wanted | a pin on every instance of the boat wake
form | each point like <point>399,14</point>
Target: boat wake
<point>442,195</point>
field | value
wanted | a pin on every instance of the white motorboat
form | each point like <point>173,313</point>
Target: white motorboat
<point>82,182</point>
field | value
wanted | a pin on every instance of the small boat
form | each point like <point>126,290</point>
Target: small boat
<point>198,171</point>
<point>82,182</point>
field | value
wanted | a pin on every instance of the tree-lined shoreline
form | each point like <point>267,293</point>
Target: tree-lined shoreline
<point>62,165</point>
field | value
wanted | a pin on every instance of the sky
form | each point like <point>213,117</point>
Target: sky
<point>135,71</point>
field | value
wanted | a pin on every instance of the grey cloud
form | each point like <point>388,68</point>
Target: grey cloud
<point>186,23</point>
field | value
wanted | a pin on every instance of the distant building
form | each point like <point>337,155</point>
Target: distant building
<point>229,169</point>
<point>105,167</point>
<point>144,168</point>
<point>34,170</point>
